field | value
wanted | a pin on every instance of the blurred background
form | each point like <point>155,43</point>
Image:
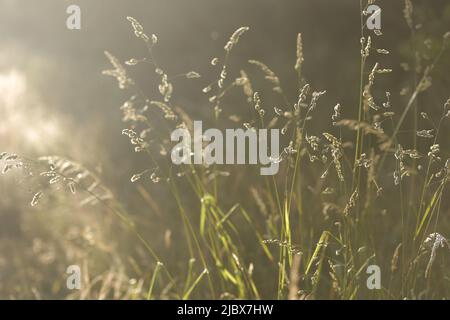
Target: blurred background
<point>54,100</point>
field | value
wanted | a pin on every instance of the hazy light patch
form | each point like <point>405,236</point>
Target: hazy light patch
<point>12,86</point>
<point>32,135</point>
<point>25,122</point>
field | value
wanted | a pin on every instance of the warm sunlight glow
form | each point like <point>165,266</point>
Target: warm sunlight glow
<point>12,86</point>
<point>22,114</point>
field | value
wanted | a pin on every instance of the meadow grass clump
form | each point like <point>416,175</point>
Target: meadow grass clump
<point>349,191</point>
<point>360,193</point>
